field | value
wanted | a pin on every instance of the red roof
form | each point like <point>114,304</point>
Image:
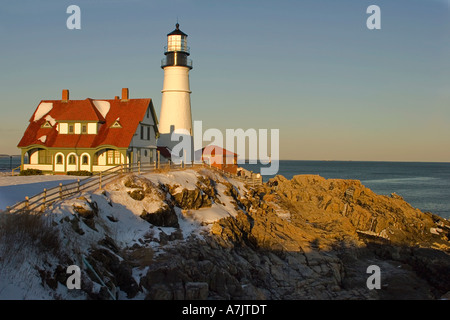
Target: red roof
<point>129,113</point>
<point>165,152</point>
<point>212,150</point>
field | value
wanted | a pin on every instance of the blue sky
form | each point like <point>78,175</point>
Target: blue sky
<point>336,90</point>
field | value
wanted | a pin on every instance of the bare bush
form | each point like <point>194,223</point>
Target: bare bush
<point>23,231</point>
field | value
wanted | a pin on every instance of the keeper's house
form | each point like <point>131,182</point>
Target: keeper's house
<point>93,135</point>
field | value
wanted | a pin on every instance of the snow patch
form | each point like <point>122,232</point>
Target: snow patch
<point>206,215</point>
<point>117,216</point>
<point>42,139</point>
<point>50,119</point>
<point>42,110</point>
<point>13,189</point>
<point>102,107</point>
<point>185,179</point>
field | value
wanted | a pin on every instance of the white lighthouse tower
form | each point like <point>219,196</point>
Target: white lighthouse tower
<point>176,95</point>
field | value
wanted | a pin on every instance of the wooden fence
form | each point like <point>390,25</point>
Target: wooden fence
<point>47,197</point>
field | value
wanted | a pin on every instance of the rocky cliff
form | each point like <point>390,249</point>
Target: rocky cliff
<point>199,235</point>
<point>312,238</point>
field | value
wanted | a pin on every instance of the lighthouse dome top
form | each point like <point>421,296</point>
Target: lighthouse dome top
<point>177,31</point>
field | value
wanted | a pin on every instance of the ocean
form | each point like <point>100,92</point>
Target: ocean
<point>425,185</point>
<point>7,163</point>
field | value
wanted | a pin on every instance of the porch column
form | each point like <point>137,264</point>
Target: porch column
<point>91,160</point>
<point>22,158</point>
<point>131,158</point>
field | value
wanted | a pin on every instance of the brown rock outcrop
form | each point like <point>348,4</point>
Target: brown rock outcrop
<point>305,238</point>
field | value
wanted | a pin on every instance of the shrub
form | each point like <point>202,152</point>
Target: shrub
<point>31,172</point>
<point>79,173</point>
<point>24,230</point>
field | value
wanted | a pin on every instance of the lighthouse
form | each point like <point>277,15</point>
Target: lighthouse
<point>175,113</point>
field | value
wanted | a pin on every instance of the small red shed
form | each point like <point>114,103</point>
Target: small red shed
<point>220,158</point>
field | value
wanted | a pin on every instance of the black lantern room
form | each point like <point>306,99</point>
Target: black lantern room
<point>176,51</point>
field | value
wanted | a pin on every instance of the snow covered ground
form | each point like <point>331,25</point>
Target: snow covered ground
<point>118,217</point>
<point>15,188</point>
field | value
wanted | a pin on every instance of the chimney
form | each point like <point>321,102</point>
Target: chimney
<point>65,95</point>
<point>124,94</point>
<point>116,98</point>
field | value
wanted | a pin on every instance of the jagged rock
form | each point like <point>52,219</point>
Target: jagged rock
<point>304,238</point>
<point>320,201</point>
<point>137,194</point>
<point>163,217</point>
<point>207,185</point>
<point>113,271</point>
<point>75,224</point>
<point>140,256</point>
<point>196,291</point>
<point>334,230</point>
<point>191,199</point>
<point>89,211</point>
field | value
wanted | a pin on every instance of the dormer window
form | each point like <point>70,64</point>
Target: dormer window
<point>71,128</point>
<point>84,128</point>
<point>116,124</point>
<point>46,125</point>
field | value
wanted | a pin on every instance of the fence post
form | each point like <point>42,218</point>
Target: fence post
<point>157,164</point>
<point>60,191</point>
<point>45,196</point>
<point>78,185</point>
<point>100,180</point>
<point>139,167</point>
<point>27,202</point>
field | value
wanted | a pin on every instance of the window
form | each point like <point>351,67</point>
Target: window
<point>176,43</point>
<point>84,128</point>
<point>85,159</point>
<point>113,157</point>
<point>46,125</point>
<point>145,153</point>
<point>70,128</point>
<point>45,157</point>
<point>148,133</point>
<point>72,159</point>
<point>172,42</point>
<point>110,157</point>
<point>138,155</point>
<point>142,132</point>
<point>59,159</point>
<point>148,112</point>
<point>116,124</point>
